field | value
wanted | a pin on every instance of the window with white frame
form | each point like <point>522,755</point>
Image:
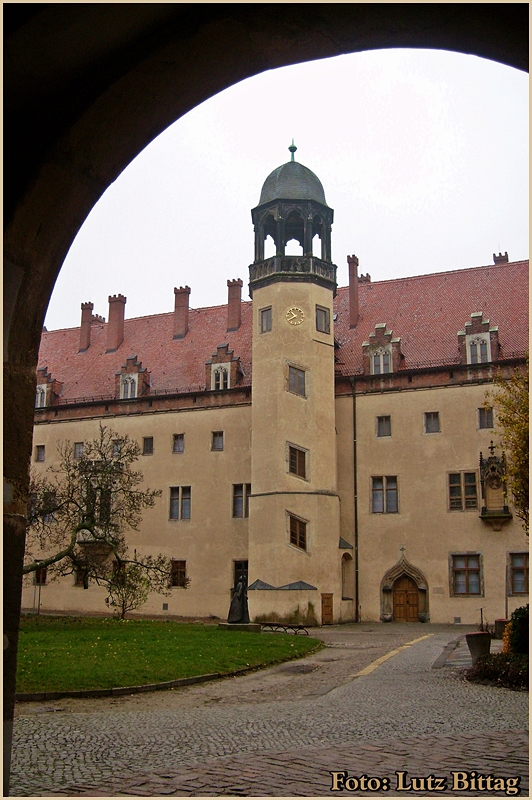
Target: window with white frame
<point>128,387</point>
<point>478,348</point>
<point>180,502</point>
<point>40,397</point>
<point>220,376</point>
<point>380,361</point>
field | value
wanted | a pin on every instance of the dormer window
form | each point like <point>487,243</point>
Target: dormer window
<point>478,349</point>
<point>40,397</point>
<point>128,387</point>
<point>381,360</point>
<point>220,376</point>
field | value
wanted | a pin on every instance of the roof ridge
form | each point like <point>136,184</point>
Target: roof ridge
<point>444,272</point>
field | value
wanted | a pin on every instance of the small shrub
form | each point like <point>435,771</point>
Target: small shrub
<point>502,669</point>
<point>519,630</point>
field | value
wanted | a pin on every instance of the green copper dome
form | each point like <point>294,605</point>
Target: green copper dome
<point>292,181</point>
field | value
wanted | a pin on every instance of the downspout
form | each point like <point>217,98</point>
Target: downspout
<point>355,497</point>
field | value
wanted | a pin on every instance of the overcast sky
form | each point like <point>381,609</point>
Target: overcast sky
<point>423,156</point>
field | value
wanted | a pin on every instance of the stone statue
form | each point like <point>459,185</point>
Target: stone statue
<point>238,610</point>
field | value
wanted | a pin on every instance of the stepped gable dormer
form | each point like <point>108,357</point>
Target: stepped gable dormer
<point>478,343</point>
<point>292,206</point>
<point>48,389</point>
<point>223,370</point>
<point>382,353</point>
<point>132,380</point>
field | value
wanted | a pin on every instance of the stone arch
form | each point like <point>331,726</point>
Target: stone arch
<point>75,77</point>
<point>403,567</point>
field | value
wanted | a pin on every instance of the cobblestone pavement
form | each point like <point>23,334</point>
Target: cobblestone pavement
<point>281,732</point>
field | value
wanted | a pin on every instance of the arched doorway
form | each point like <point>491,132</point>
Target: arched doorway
<point>405,600</point>
<point>404,593</point>
<point>88,86</point>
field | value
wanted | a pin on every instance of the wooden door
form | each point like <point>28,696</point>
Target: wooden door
<point>405,600</point>
<point>326,609</point>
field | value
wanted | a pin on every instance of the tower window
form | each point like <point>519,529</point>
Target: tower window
<point>296,381</point>
<point>265,319</point>
<point>323,319</point>
<point>297,462</point>
<point>298,532</point>
<point>241,492</point>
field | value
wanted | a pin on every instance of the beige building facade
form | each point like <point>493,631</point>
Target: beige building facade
<point>322,443</point>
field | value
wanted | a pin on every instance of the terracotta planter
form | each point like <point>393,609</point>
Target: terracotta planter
<point>479,644</point>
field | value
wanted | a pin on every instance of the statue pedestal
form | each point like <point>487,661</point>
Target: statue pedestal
<point>253,627</point>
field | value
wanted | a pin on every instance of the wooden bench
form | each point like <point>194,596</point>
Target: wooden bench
<point>284,628</point>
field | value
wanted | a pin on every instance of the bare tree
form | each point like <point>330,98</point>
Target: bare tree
<point>79,513</point>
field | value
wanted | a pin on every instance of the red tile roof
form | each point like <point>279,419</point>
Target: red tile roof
<point>425,311</point>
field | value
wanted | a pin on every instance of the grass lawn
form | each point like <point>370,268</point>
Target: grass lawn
<point>73,653</point>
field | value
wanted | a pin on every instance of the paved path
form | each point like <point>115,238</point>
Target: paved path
<point>282,731</point>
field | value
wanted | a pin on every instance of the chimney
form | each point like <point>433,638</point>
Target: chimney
<point>353,290</point>
<point>234,309</point>
<point>85,330</point>
<point>500,259</point>
<point>181,312</point>
<point>115,326</point>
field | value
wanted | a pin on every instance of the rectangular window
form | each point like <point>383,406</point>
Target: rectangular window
<point>217,440</point>
<point>40,576</point>
<point>323,319</point>
<point>179,443</point>
<point>479,352</point>
<point>297,462</point>
<point>241,492</point>
<point>178,575</point>
<point>265,319</point>
<point>40,452</point>
<point>519,573</point>
<point>240,573</point>
<point>466,575</point>
<point>296,381</point>
<point>384,426</point>
<point>432,422</point>
<point>462,491</point>
<point>180,501</point>
<point>80,577</point>
<point>78,449</point>
<point>485,417</point>
<point>380,362</point>
<point>384,499</point>
<point>298,533</point>
<point>147,446</point>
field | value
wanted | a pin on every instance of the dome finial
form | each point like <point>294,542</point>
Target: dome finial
<point>292,149</point>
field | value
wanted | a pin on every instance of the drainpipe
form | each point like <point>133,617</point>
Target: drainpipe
<point>355,496</point>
